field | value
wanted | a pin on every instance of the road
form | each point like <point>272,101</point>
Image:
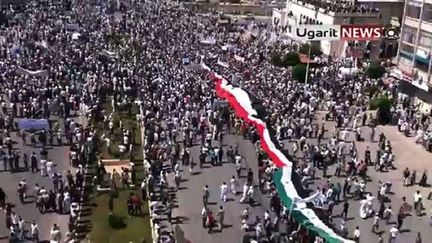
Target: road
<point>190,197</point>
<point>28,211</point>
<point>407,153</point>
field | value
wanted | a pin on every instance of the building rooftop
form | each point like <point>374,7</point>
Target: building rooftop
<point>338,7</point>
<point>381,1</point>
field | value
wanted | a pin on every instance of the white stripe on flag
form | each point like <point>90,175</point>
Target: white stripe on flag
<point>223,64</point>
<point>239,58</point>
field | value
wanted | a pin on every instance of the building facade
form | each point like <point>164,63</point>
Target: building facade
<point>390,10</point>
<point>414,56</point>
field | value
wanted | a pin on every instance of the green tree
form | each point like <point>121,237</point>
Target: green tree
<point>371,90</point>
<point>375,70</point>
<point>299,72</point>
<point>314,51</point>
<point>116,222</point>
<point>381,101</point>
<point>382,104</point>
<point>291,59</point>
<point>275,59</point>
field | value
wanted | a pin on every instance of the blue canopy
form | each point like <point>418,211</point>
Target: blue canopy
<point>33,124</point>
<point>186,61</point>
<point>15,50</point>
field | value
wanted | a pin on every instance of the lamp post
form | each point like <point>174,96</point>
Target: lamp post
<point>308,62</point>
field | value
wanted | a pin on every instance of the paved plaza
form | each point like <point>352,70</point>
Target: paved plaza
<point>407,153</point>
<point>28,211</point>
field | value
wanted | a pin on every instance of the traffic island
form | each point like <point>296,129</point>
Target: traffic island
<point>120,156</point>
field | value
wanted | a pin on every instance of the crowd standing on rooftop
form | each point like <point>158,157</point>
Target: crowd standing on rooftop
<point>61,58</point>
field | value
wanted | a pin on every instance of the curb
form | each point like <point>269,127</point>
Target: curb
<point>142,128</point>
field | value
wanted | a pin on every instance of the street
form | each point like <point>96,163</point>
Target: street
<point>28,211</point>
<point>407,153</point>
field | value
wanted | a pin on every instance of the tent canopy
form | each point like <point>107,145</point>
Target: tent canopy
<point>33,124</point>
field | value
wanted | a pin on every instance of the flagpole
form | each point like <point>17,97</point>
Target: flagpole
<point>308,62</point>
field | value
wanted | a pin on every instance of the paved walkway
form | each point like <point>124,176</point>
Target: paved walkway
<point>9,183</point>
<point>407,154</point>
<point>190,197</point>
<point>28,211</point>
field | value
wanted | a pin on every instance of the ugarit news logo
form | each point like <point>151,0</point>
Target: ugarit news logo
<point>350,32</point>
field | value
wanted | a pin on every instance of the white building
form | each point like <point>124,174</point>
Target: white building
<point>329,13</point>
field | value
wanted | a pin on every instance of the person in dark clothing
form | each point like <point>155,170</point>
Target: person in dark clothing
<point>400,218</point>
<point>250,177</point>
<point>202,158</point>
<point>423,179</point>
<point>16,161</point>
<point>268,229</point>
<point>169,213</point>
<point>133,175</point>
<point>2,198</point>
<point>33,163</point>
<point>345,209</point>
<point>11,164</point>
<point>52,201</point>
<point>368,160</point>
<point>60,203</point>
<point>129,205</point>
<point>220,155</point>
<point>345,189</point>
<point>25,161</point>
<point>70,179</point>
<point>381,209</point>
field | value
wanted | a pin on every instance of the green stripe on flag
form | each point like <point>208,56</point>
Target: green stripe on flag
<point>298,215</point>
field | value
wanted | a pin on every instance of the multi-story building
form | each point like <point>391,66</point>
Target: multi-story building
<point>414,56</point>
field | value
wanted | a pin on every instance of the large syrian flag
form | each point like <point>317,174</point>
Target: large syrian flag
<point>286,180</point>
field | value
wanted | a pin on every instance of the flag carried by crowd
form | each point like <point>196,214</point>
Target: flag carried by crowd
<point>243,107</point>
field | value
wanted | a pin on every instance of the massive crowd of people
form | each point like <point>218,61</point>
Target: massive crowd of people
<point>61,58</point>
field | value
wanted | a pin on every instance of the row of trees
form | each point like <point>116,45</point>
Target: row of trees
<point>292,58</point>
<point>375,70</point>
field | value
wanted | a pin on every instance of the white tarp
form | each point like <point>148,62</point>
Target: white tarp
<point>72,27</point>
<point>344,71</point>
<point>109,53</point>
<point>76,36</point>
<point>227,47</point>
<point>223,64</point>
<point>24,71</point>
<point>43,44</point>
<point>209,41</point>
<point>239,58</point>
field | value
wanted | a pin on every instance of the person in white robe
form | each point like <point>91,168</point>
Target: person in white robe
<point>245,190</point>
<point>251,194</point>
<point>43,168</point>
<point>50,168</point>
<point>55,234</point>
<point>74,207</point>
<point>366,207</point>
<point>224,191</point>
<point>233,185</point>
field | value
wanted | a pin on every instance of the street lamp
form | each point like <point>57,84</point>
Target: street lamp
<point>308,62</point>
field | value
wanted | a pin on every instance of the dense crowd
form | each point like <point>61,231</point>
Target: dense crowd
<point>61,58</point>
